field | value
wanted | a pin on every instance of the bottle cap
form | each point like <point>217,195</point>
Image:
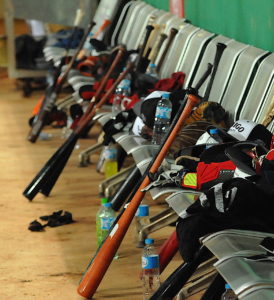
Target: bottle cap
<point>153,65</point>
<point>213,130</point>
<point>104,200</point>
<point>143,211</point>
<point>227,286</point>
<point>149,241</point>
<point>166,95</point>
<point>108,204</point>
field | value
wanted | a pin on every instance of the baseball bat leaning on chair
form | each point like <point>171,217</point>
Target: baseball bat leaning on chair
<point>47,187</point>
<point>100,263</point>
<point>171,36</point>
<point>101,29</point>
<point>53,90</point>
<point>48,175</point>
<point>269,114</point>
<point>173,284</point>
<point>130,187</point>
<point>155,50</point>
<point>138,66</point>
<point>178,278</point>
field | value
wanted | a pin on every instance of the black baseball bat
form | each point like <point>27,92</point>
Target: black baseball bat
<point>100,263</point>
<point>52,91</point>
<point>53,167</point>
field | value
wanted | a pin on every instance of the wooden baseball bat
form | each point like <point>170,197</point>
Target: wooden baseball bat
<point>219,52</point>
<point>101,29</point>
<point>155,51</point>
<point>269,115</point>
<point>168,250</point>
<point>58,160</point>
<point>149,29</point>
<point>100,263</point>
<point>172,34</point>
<point>52,93</point>
<point>174,283</point>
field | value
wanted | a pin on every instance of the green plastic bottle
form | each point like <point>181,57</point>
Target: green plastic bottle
<point>98,221</point>
<point>104,220</point>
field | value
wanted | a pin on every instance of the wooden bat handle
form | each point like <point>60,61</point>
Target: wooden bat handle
<point>155,50</point>
<point>120,54</point>
<point>219,52</point>
<point>269,115</point>
<point>172,34</point>
<point>100,264</point>
<point>149,29</point>
<point>101,28</point>
<point>94,107</point>
<point>151,38</point>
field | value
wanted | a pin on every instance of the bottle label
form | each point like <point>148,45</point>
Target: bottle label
<point>163,112</point>
<point>106,223</point>
<point>125,83</point>
<point>150,262</point>
<point>110,153</point>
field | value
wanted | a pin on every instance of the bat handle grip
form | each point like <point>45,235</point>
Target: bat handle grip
<point>172,34</point>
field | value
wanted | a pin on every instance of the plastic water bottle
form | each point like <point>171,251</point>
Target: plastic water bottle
<point>117,100</point>
<point>152,70</point>
<point>123,90</point>
<point>150,269</point>
<point>162,119</point>
<point>99,237</point>
<point>141,219</point>
<point>120,95</point>
<point>228,293</point>
<point>110,161</point>
<point>104,219</point>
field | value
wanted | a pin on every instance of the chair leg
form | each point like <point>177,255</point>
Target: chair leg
<point>121,196</point>
<point>196,286</point>
<point>107,185</point>
<point>174,283</point>
<point>215,290</point>
<point>84,155</point>
<point>163,219</point>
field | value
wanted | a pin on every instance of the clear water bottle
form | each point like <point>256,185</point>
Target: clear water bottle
<point>141,219</point>
<point>152,70</point>
<point>123,90</point>
<point>120,95</point>
<point>162,119</point>
<point>99,237</point>
<point>126,82</point>
<point>228,293</point>
<point>104,220</point>
<point>117,100</point>
<point>110,166</point>
<point>150,269</point>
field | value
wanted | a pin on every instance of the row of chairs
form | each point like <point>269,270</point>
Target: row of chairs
<point>243,86</point>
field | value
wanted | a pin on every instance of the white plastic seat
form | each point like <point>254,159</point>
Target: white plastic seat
<point>208,57</point>
<point>258,293</point>
<point>227,242</point>
<point>243,274</point>
<point>240,79</point>
<point>260,93</point>
<point>192,56</point>
<point>178,49</point>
